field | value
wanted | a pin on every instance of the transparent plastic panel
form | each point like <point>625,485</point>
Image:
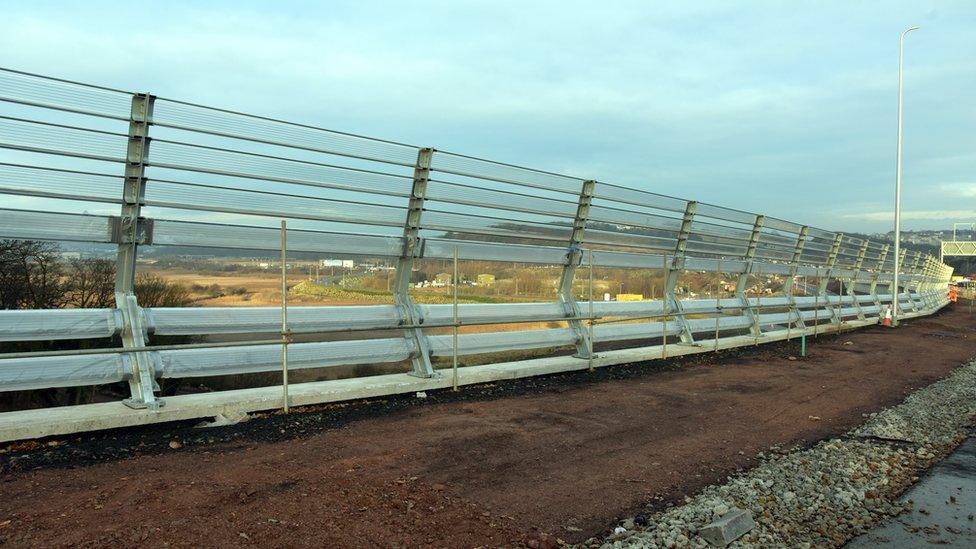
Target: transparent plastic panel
<point>726,214</point>
<point>284,170</point>
<point>50,139</point>
<point>486,169</point>
<point>776,238</point>
<point>715,248</point>
<point>781,225</point>
<point>27,224</point>
<point>470,196</point>
<point>619,216</point>
<point>184,233</point>
<point>774,254</point>
<point>820,234</point>
<point>727,233</point>
<point>199,197</point>
<point>54,93</point>
<point>607,238</point>
<point>487,251</point>
<point>477,225</point>
<point>606,258</point>
<point>635,197</point>
<point>252,220</point>
<point>243,126</point>
<point>48,182</point>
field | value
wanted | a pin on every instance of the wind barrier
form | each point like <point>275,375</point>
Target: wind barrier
<point>97,165</point>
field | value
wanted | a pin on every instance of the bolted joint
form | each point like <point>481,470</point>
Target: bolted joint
<point>413,246</point>
<point>128,230</point>
<point>138,147</point>
<point>142,106</point>
<point>574,256</point>
<point>134,189</point>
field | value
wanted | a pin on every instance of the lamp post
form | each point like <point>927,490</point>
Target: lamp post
<point>901,67</point>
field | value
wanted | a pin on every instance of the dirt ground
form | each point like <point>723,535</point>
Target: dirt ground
<point>491,466</point>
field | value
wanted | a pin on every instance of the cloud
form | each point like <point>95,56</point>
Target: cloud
<point>928,215</point>
<point>959,190</point>
<point>787,110</point>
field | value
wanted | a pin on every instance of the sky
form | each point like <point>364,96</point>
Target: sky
<point>783,108</point>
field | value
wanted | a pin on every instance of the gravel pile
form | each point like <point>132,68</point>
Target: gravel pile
<point>917,420</point>
<point>827,494</point>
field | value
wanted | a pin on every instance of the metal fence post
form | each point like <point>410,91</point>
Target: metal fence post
<point>877,275</point>
<point>894,287</point>
<point>824,281</point>
<point>573,259</point>
<point>740,283</point>
<point>285,332</point>
<point>677,266</point>
<point>412,249</point>
<point>916,271</point>
<point>801,240</point>
<point>129,231</point>
<point>855,276</point>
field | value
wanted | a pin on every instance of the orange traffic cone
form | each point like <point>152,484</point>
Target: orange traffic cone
<point>886,319</point>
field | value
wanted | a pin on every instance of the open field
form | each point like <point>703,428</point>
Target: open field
<point>565,454</point>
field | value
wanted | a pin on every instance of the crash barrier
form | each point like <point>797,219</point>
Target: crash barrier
<point>96,165</point>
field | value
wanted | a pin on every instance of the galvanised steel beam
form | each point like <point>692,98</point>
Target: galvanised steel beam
<point>677,266</point>
<point>129,231</point>
<point>740,284</point>
<point>916,270</point>
<point>574,258</point>
<point>855,276</point>
<point>412,249</point>
<point>882,256</point>
<point>825,280</point>
<point>801,240</point>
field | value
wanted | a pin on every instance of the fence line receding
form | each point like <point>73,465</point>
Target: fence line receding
<point>93,164</point>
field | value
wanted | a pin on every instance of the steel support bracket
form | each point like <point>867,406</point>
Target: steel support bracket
<point>854,278</point>
<point>672,304</point>
<point>740,284</point>
<point>801,240</point>
<point>130,230</point>
<point>124,228</point>
<point>574,258</point>
<point>413,248</point>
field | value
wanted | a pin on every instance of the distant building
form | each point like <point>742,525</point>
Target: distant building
<point>486,279</point>
<point>343,263</point>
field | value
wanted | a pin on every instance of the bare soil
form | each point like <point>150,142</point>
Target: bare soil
<point>493,465</point>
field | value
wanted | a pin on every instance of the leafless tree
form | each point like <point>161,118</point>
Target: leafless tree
<point>30,275</point>
<point>154,291</point>
<point>90,283</point>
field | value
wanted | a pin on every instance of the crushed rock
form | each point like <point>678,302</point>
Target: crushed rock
<point>838,489</point>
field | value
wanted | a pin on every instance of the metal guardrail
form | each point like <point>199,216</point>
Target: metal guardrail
<point>102,165</point>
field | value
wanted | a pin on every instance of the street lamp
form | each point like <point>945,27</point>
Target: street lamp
<point>901,64</point>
